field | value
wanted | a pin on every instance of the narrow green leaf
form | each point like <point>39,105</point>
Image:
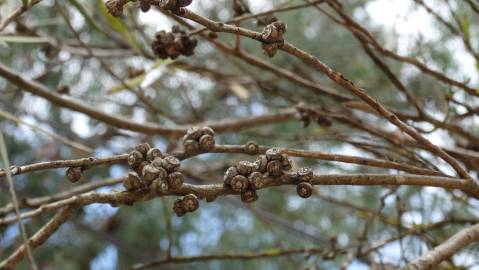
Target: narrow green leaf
<point>117,25</point>
<point>85,15</point>
<point>24,39</point>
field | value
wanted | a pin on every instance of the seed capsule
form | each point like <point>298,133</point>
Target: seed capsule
<point>132,182</point>
<point>190,203</point>
<point>261,164</point>
<point>171,164</point>
<point>273,32</point>
<point>175,180</point>
<point>207,142</point>
<point>143,148</point>
<point>274,167</point>
<point>239,183</point>
<point>167,4</point>
<point>273,154</point>
<point>193,133</point>
<point>135,158</point>
<point>74,174</point>
<point>153,153</point>
<point>145,5</point>
<point>249,196</point>
<point>256,180</point>
<point>183,3</point>
<point>160,186</point>
<point>286,163</point>
<point>304,189</point>
<point>191,147</point>
<point>178,208</point>
<point>150,173</point>
<point>244,167</point>
<point>207,131</point>
<point>229,174</point>
<point>140,167</point>
<point>115,7</point>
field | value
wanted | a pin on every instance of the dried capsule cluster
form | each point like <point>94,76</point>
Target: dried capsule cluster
<point>272,36</point>
<point>199,139</point>
<point>265,19</point>
<point>188,203</point>
<point>115,7</point>
<point>173,44</point>
<point>173,5</point>
<point>74,174</point>
<point>307,115</point>
<point>304,188</point>
<point>247,177</point>
<point>153,170</point>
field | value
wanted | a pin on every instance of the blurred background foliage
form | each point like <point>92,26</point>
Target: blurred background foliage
<point>106,237</point>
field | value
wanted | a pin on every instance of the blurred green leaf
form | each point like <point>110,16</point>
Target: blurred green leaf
<point>117,25</point>
<point>24,39</point>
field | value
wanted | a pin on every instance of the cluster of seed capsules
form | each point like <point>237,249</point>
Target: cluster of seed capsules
<point>198,139</point>
<point>115,7</point>
<point>272,36</point>
<point>153,170</point>
<point>247,177</point>
<point>173,44</point>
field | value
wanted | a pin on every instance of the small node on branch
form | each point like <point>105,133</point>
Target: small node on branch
<point>74,174</point>
<point>304,189</point>
<point>173,44</point>
<point>272,36</point>
<point>115,7</point>
<point>249,196</point>
<point>251,148</point>
<point>305,174</point>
